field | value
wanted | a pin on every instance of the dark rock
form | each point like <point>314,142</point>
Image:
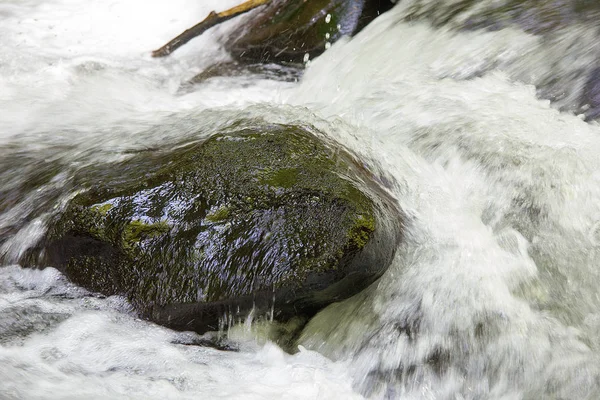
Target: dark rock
<point>275,41</point>
<point>263,71</point>
<point>287,30</point>
<point>269,216</point>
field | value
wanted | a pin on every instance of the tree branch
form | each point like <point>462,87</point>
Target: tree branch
<point>211,20</point>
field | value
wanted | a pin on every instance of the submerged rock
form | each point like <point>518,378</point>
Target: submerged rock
<point>262,71</point>
<point>534,16</point>
<point>562,65</point>
<point>270,216</point>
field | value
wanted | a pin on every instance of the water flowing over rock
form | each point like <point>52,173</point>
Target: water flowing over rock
<point>281,32</point>
<point>294,31</point>
<point>536,17</point>
<point>492,292</point>
<point>270,216</point>
<point>563,63</point>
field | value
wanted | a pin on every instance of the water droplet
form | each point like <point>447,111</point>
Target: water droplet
<point>306,57</point>
<point>328,18</point>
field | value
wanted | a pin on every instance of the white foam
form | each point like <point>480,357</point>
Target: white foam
<point>493,293</point>
<point>65,62</point>
<point>501,194</point>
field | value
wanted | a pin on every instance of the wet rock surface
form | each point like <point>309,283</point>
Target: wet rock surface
<point>293,31</point>
<point>270,217</point>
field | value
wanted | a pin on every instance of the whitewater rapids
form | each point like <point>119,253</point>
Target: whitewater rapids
<point>493,294</point>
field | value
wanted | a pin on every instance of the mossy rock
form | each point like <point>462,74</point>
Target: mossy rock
<point>264,216</point>
<point>286,31</point>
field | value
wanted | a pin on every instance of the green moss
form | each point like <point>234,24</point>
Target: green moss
<point>87,220</point>
<point>136,231</point>
<point>102,209</point>
<point>285,177</point>
<point>220,214</point>
<point>360,233</point>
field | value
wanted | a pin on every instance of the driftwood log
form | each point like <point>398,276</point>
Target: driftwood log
<point>211,20</point>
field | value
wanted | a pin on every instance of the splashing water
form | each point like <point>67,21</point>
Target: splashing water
<point>493,294</point>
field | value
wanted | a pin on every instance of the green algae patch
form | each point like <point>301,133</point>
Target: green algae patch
<point>361,231</point>
<point>136,231</point>
<point>285,178</point>
<point>102,209</point>
<point>255,212</point>
<point>219,215</point>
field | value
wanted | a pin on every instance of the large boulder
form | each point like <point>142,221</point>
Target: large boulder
<point>265,217</point>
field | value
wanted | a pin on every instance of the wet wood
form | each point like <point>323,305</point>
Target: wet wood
<point>211,20</point>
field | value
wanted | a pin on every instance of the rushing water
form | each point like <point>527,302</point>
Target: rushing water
<point>493,294</point>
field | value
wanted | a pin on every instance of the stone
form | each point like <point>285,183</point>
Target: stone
<point>268,217</point>
<point>294,31</point>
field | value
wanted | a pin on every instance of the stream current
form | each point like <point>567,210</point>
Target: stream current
<point>493,293</point>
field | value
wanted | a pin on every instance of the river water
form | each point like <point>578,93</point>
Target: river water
<point>493,293</point>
